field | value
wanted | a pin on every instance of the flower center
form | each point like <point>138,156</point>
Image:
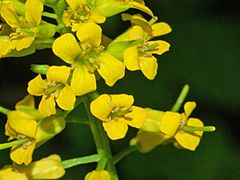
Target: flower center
<point>53,88</point>
<point>26,144</point>
<point>118,112</point>
<point>89,57</point>
<point>146,49</point>
<point>81,15</point>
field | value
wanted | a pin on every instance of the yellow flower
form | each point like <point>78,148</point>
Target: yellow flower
<point>163,127</point>
<point>140,57</point>
<point>80,12</point>
<point>171,124</point>
<point>97,175</point>
<point>86,57</point>
<point>24,31</point>
<point>46,168</point>
<point>27,122</point>
<point>116,113</point>
<point>54,88</point>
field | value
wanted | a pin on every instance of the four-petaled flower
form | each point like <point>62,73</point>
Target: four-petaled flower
<point>20,125</point>
<point>23,31</point>
<point>171,124</point>
<point>54,88</point>
<point>80,12</point>
<point>140,57</point>
<point>86,57</point>
<point>116,113</point>
<point>28,123</point>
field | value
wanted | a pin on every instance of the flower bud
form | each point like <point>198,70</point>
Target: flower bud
<point>99,175</point>
<point>46,168</point>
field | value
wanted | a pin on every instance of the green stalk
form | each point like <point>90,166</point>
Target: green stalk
<point>180,98</point>
<point>124,153</point>
<point>13,143</point>
<point>49,15</point>
<point>4,110</point>
<point>59,8</point>
<point>101,141</point>
<point>203,129</point>
<point>81,160</point>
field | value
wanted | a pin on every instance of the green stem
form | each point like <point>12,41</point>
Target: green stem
<point>101,140</point>
<point>81,160</point>
<point>59,8</point>
<point>13,143</point>
<point>102,164</point>
<point>49,15</point>
<point>153,20</point>
<point>180,98</point>
<point>124,153</point>
<point>193,128</point>
<point>4,110</point>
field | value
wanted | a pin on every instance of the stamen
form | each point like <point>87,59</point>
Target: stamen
<point>117,112</point>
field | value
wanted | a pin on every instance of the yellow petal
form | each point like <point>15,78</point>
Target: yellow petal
<point>75,4</point>
<point>58,74</point>
<point>97,17</point>
<point>47,105</point>
<point>89,34</point>
<point>162,47</point>
<point>33,11</point>
<point>66,98</point>
<point>97,175</point>
<point>102,107</point>
<point>5,47</point>
<point>136,33</point>
<point>170,123</point>
<point>110,68</point>
<point>36,86</point>
<point>190,140</point>
<point>76,26</point>
<point>26,102</point>
<point>121,100</point>
<point>115,129</point>
<point>66,47</point>
<point>22,124</point>
<point>8,13</point>
<point>130,56</point>
<point>149,140</point>
<point>82,81</point>
<point>24,42</point>
<point>11,174</point>
<point>188,108</point>
<point>141,7</point>
<point>148,66</point>
<point>160,29</point>
<point>136,118</point>
<point>20,154</point>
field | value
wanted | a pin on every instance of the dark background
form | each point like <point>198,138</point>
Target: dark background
<point>204,53</point>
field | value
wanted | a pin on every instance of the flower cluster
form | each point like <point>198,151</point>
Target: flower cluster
<point>73,32</point>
